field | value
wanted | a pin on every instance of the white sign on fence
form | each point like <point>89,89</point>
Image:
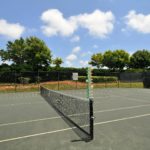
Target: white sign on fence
<point>75,76</point>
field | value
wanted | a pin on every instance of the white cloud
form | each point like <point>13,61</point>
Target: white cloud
<point>76,49</point>
<point>138,22</point>
<point>71,57</point>
<point>55,23</point>
<point>98,23</point>
<point>75,38</point>
<point>83,63</point>
<point>11,30</point>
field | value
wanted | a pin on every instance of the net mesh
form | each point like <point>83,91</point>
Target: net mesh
<point>76,112</point>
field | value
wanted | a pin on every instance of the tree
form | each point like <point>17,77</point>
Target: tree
<point>96,60</point>
<point>5,68</point>
<point>140,59</point>
<point>121,59</point>
<point>15,51</point>
<point>38,55</point>
<point>57,62</point>
<point>30,53</point>
<point>108,59</point>
<point>116,60</point>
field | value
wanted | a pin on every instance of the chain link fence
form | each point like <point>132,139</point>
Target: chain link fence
<point>63,80</point>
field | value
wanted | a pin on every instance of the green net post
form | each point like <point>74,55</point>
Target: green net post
<point>89,83</point>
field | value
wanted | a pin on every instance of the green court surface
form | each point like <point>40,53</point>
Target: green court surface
<point>122,122</point>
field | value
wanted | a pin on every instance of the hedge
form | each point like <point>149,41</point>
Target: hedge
<point>24,80</point>
<point>97,79</point>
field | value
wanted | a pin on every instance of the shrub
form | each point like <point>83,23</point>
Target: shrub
<point>99,79</point>
<point>23,80</point>
<point>38,79</point>
<point>82,78</point>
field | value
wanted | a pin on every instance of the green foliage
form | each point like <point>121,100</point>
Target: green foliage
<point>15,51</point>
<point>38,79</point>
<point>57,62</point>
<point>121,59</point>
<point>140,59</point>
<point>116,60</point>
<point>38,55</point>
<point>82,78</point>
<point>135,70</point>
<point>30,53</point>
<point>5,68</point>
<point>24,80</point>
<point>81,71</point>
<point>96,60</point>
<point>99,79</point>
<point>108,59</point>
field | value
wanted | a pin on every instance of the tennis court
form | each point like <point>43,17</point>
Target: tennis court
<point>122,122</point>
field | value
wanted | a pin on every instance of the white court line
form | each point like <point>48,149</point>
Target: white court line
<point>105,96</point>
<point>17,104</point>
<point>100,111</point>
<point>28,121</point>
<point>121,119</point>
<point>127,98</point>
<point>134,99</point>
<point>121,108</point>
<point>66,129</point>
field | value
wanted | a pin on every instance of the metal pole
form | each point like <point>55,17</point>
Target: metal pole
<point>90,97</point>
<point>105,80</point>
<point>91,119</point>
<point>118,79</point>
<point>130,81</point>
<point>58,78</point>
<point>15,83</point>
<point>38,81</point>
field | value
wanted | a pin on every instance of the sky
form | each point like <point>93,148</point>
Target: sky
<point>75,29</point>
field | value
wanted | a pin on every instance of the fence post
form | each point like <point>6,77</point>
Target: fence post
<point>38,80</point>
<point>15,82</point>
<point>130,81</point>
<point>105,81</point>
<point>58,78</point>
<point>118,79</point>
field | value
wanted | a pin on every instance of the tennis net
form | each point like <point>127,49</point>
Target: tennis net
<point>75,111</point>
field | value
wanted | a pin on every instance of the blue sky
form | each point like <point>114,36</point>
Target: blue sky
<point>75,29</point>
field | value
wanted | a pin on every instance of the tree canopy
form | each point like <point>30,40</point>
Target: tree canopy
<point>108,59</point>
<point>30,53</point>
<point>140,59</point>
<point>116,60</point>
<point>57,62</point>
<point>96,60</point>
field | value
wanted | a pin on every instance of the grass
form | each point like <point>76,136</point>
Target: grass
<point>66,85</point>
<point>119,85</point>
